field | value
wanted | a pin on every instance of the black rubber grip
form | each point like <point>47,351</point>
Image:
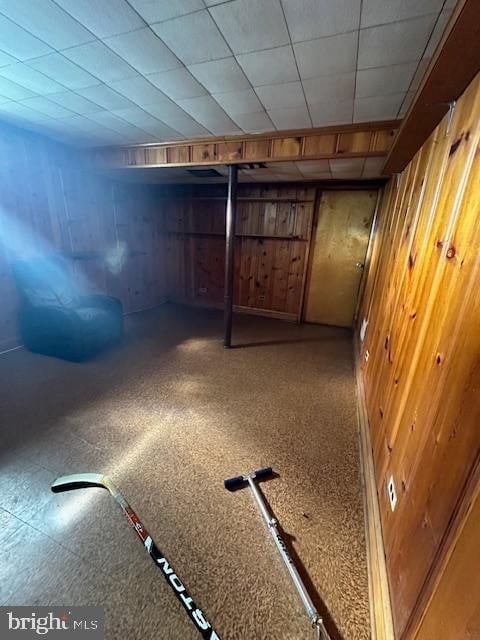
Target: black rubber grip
<point>263,473</point>
<point>234,483</point>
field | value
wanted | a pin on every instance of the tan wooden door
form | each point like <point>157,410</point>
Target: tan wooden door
<point>338,253</point>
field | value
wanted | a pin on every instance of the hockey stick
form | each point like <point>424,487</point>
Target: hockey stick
<point>85,480</point>
<point>239,482</point>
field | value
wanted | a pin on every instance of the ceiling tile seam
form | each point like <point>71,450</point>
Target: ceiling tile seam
<point>296,63</point>
<point>181,65</point>
<point>422,56</point>
<point>411,19</point>
<point>28,62</point>
<point>356,60</point>
<point>235,58</point>
<point>102,82</point>
<point>126,122</point>
<point>85,26</point>
<point>94,37</point>
<point>189,13</point>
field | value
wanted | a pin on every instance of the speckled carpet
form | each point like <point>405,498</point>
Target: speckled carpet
<point>168,415</point>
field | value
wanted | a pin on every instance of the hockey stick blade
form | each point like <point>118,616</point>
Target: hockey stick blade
<point>78,481</point>
<point>86,480</point>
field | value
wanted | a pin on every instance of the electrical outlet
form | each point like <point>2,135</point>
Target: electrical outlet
<point>392,493</point>
<point>203,289</point>
<point>367,355</point>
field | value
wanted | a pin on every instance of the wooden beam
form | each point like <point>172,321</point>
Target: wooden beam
<point>454,65</point>
<point>364,140</point>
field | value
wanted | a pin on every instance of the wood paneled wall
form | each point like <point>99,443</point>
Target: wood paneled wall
<point>421,358</point>
<point>51,203</point>
<point>272,240</point>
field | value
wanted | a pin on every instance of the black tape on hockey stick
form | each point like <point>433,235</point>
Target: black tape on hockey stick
<point>85,480</point>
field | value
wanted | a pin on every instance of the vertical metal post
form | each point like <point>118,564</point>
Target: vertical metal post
<point>231,215</point>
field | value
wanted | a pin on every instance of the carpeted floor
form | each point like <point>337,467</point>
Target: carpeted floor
<point>170,414</point>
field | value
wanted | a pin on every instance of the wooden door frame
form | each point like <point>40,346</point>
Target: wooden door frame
<point>309,254</point>
<point>313,231</point>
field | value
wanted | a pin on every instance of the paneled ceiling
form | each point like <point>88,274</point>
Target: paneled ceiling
<point>95,72</point>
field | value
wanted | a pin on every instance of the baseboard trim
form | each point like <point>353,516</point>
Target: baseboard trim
<point>254,311</point>
<point>381,619</point>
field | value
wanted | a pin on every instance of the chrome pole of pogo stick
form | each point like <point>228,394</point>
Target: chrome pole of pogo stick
<point>272,524</point>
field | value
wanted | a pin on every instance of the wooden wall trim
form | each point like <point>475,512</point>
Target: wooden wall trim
<point>453,67</point>
<point>381,619</point>
<point>352,141</point>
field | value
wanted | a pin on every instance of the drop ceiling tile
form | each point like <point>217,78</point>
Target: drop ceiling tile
<point>47,107</point>
<point>209,114</point>
<point>6,59</point>
<point>166,109</point>
<point>138,90</point>
<point>327,56</point>
<point>383,81</point>
<point>74,102</point>
<point>239,102</point>
<point>80,123</point>
<point>373,167</point>
<point>407,101</point>
<point>251,25</point>
<point>328,113</point>
<point>285,169</point>
<point>394,43</point>
<point>254,122</point>
<point>296,118</point>
<point>193,38</point>
<point>178,84</point>
<point>313,166</point>
<point>144,50</point>
<point>112,121</point>
<point>56,66</point>
<point>219,76</point>
<point>188,127</point>
<point>13,90</point>
<point>100,61</point>
<point>281,96</point>
<point>350,166</point>
<point>18,110</point>
<point>375,12</point>
<point>419,73</point>
<point>106,97</point>
<point>19,43</point>
<point>335,88</point>
<point>47,21</point>
<point>104,18</point>
<point>31,79</point>
<point>137,116</point>
<point>5,100</point>
<point>160,10</point>
<point>270,66</point>
<point>163,132</point>
<point>377,108</point>
<point>437,33</point>
<point>309,19</point>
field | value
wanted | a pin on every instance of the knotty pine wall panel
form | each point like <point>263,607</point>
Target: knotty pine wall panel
<point>51,203</point>
<point>272,236</point>
<point>421,353</point>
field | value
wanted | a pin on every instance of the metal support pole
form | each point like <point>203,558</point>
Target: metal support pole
<point>231,215</point>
